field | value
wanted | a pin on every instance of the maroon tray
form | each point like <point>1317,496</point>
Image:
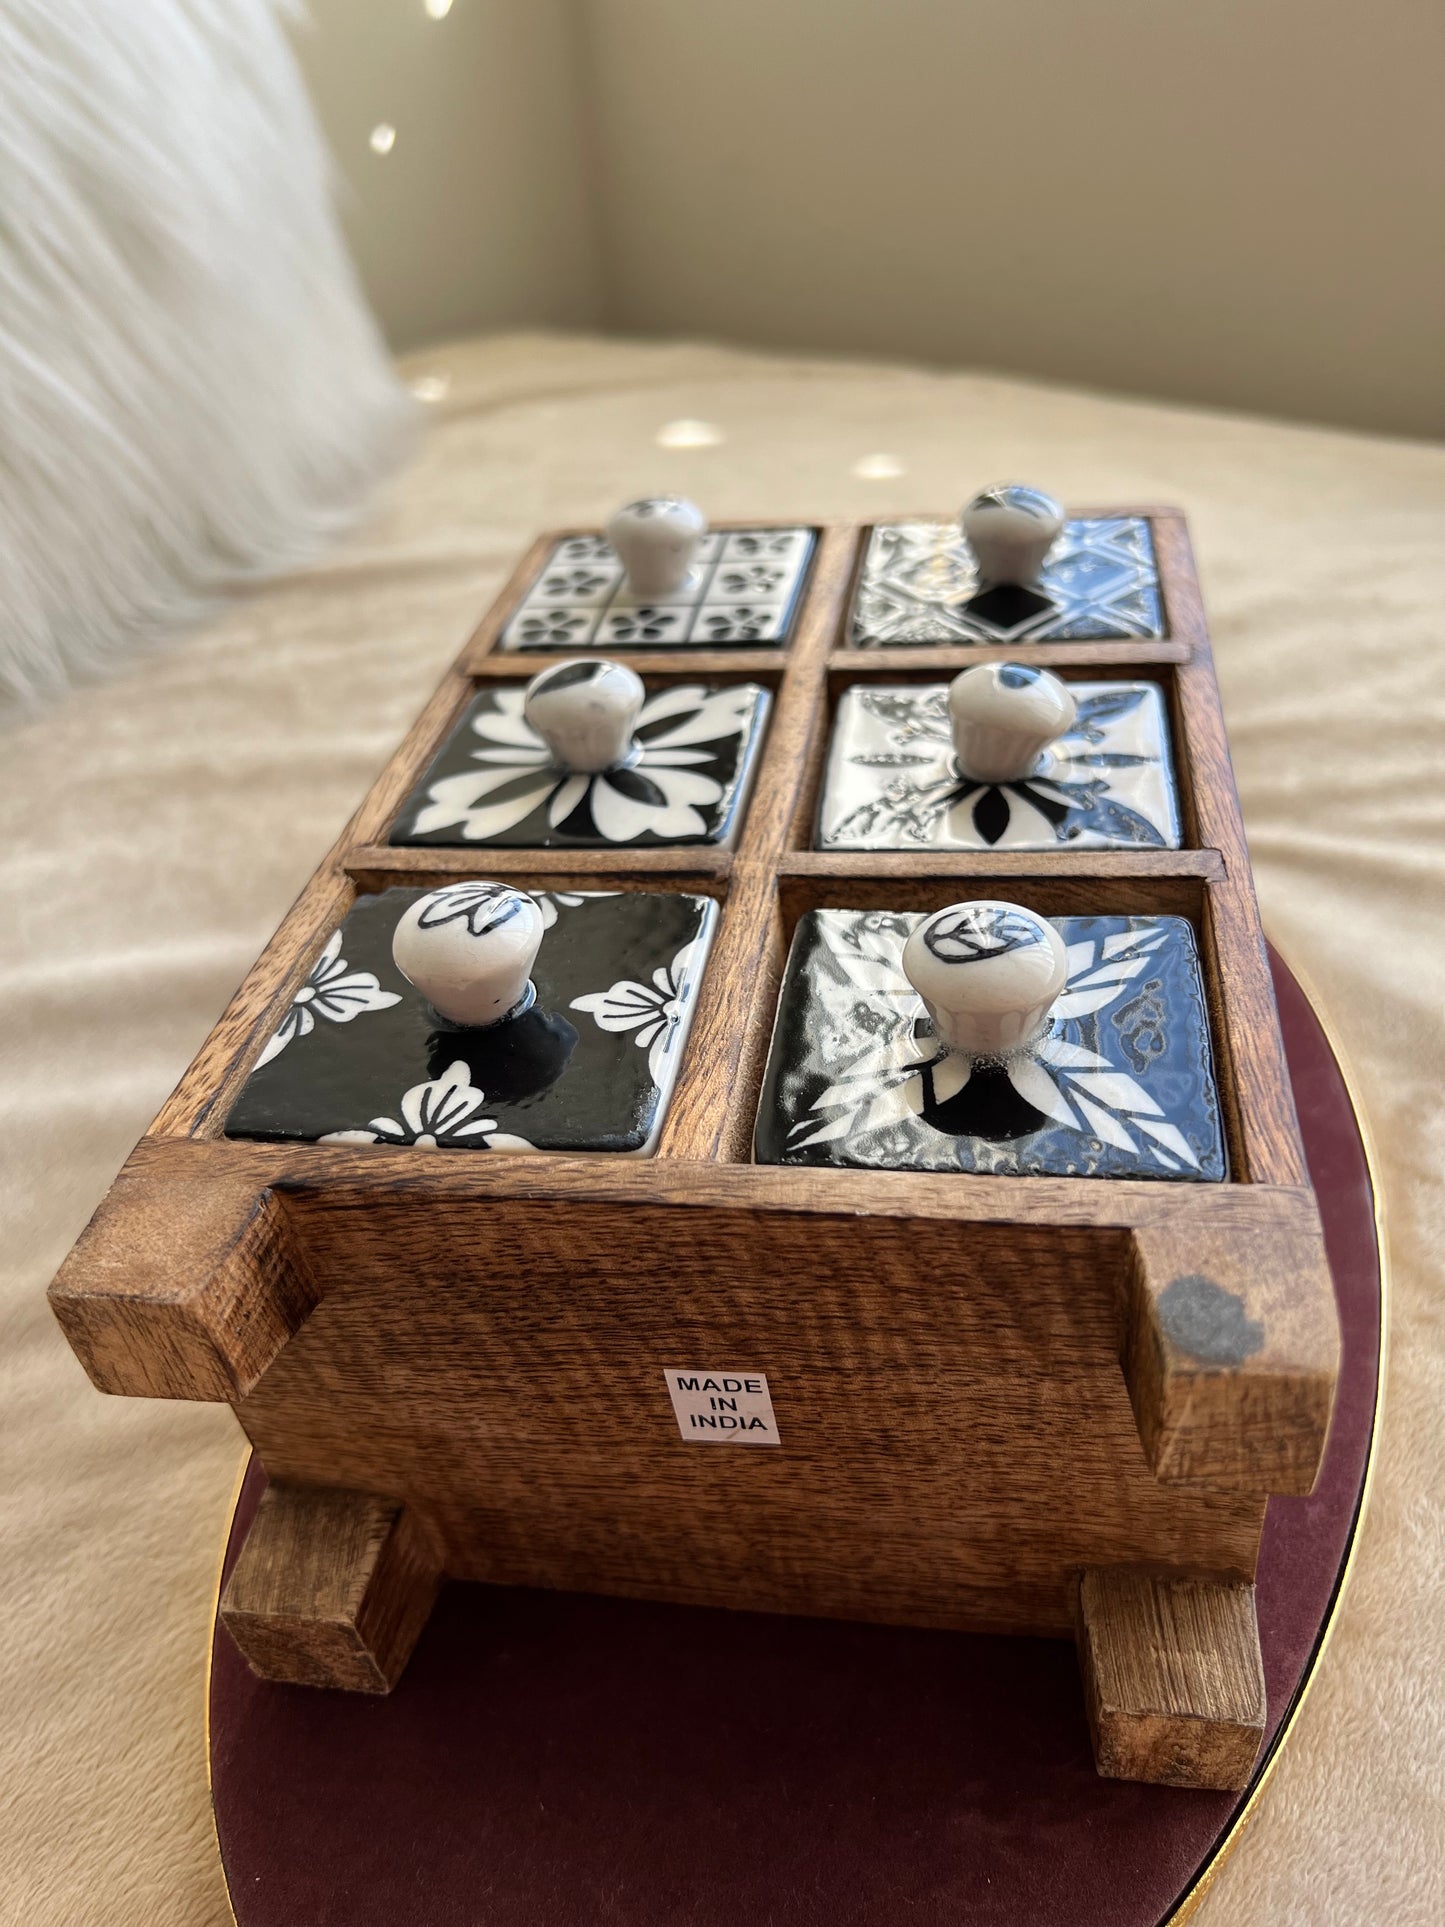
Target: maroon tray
<point>560,1760</point>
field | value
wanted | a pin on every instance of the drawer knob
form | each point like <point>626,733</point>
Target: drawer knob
<point>1004,716</point>
<point>1010,530</point>
<point>656,540</point>
<point>469,949</point>
<point>988,974</point>
<point>585,711</point>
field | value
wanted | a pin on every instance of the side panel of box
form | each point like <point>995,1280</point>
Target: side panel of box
<point>956,1438</point>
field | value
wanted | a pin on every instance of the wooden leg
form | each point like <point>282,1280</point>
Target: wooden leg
<point>332,1588</point>
<point>1173,1680</point>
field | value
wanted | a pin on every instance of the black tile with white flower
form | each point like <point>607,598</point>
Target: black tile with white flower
<point>893,782</point>
<point>742,591</point>
<point>1120,1085</point>
<point>361,1058</point>
<point>493,780</point>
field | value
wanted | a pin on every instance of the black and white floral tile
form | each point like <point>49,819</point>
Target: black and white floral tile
<point>1121,1085</point>
<point>742,591</point>
<point>494,781</point>
<point>893,782</point>
<point>919,584</point>
<point>361,1058</point>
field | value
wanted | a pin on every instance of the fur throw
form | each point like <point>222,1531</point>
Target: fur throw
<point>193,394</point>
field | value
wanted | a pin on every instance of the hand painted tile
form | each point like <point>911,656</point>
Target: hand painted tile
<point>779,547</point>
<point>540,627</point>
<point>360,1056</point>
<point>645,625</point>
<point>719,625</point>
<point>583,548</point>
<point>578,585</point>
<point>919,585</point>
<point>761,581</point>
<point>1120,1085</point>
<point>893,782</point>
<point>494,781</point>
<point>743,590</point>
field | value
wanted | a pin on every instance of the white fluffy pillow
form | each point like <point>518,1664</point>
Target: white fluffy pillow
<point>192,391</point>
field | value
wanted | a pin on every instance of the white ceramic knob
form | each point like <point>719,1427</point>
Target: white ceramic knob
<point>1004,715</point>
<point>656,540</point>
<point>988,974</point>
<point>1010,530</point>
<point>469,949</point>
<point>585,711</point>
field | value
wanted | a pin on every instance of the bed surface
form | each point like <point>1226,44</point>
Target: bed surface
<point>158,825</point>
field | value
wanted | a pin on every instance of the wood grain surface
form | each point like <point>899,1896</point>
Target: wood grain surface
<point>332,1588</point>
<point>1231,1352</point>
<point>184,1284</point>
<point>1173,1679</point>
<point>922,1384</point>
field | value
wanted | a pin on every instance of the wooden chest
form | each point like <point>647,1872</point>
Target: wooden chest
<point>1036,1404</point>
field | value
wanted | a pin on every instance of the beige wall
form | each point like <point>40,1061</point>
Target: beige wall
<point>481,214</point>
<point>1231,201</point>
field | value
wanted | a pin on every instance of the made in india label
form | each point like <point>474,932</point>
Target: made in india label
<point>722,1408</point>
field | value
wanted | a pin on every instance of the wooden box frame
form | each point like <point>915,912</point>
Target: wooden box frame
<point>994,1413</point>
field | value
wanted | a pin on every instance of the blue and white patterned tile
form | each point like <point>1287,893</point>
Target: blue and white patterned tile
<point>893,781</point>
<point>919,584</point>
<point>1119,1085</point>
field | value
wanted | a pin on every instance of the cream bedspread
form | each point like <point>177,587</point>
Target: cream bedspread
<point>157,827</point>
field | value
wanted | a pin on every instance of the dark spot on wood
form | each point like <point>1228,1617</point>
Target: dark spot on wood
<point>1208,1322</point>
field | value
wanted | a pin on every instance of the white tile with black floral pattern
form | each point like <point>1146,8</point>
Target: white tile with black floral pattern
<point>743,590</point>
